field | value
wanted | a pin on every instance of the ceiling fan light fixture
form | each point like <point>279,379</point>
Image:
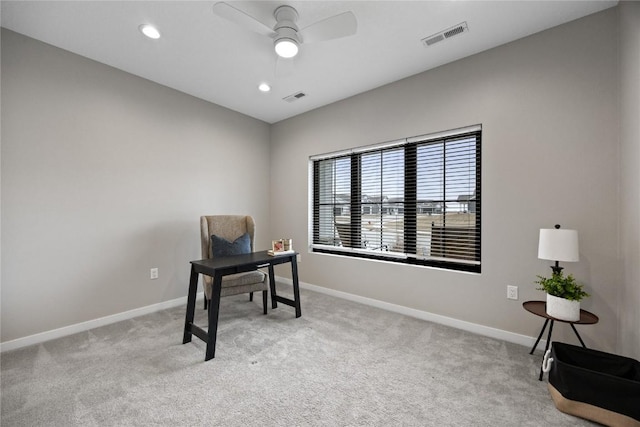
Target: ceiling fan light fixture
<point>286,47</point>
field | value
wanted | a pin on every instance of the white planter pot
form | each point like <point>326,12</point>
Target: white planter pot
<point>563,309</point>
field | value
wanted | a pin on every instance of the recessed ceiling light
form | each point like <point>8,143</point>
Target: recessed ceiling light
<point>264,87</point>
<point>150,31</point>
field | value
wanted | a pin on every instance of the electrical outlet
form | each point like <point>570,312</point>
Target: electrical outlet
<point>512,292</point>
<point>299,258</point>
<point>153,273</point>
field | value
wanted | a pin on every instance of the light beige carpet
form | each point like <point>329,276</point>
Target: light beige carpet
<point>340,364</point>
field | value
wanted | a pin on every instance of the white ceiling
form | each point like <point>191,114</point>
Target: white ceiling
<point>208,57</point>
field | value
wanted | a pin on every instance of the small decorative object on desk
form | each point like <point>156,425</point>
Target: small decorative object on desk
<point>277,245</point>
<point>281,247</point>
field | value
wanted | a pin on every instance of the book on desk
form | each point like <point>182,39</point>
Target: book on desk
<point>283,252</point>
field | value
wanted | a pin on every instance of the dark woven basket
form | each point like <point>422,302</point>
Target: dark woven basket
<point>595,385</point>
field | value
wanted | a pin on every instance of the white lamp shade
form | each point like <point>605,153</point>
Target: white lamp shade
<point>558,244</point>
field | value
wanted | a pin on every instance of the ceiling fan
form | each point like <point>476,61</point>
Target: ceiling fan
<point>287,37</point>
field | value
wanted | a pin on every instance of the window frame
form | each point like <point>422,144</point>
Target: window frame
<point>410,198</point>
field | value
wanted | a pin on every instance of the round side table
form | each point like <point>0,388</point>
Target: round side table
<point>539,308</point>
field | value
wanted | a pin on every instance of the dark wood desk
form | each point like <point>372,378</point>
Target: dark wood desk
<point>539,308</point>
<point>218,267</point>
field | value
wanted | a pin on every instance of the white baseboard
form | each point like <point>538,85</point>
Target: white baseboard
<point>425,315</point>
<point>419,314</point>
<point>90,324</point>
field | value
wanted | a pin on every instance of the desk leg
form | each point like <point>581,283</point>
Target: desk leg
<point>296,287</point>
<point>578,335</point>
<point>264,302</point>
<point>539,336</point>
<point>191,306</point>
<point>546,347</point>
<point>272,286</point>
<point>214,310</point>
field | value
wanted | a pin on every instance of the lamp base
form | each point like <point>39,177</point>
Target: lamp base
<point>556,268</point>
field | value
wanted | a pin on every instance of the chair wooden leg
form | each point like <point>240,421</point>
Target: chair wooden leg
<point>250,296</point>
<point>264,302</point>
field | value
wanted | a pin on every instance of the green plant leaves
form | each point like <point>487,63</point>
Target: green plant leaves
<point>563,287</point>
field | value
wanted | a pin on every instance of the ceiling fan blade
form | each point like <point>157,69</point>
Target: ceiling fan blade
<point>335,27</point>
<point>237,16</point>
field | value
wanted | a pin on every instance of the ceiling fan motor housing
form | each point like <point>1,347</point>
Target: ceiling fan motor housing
<point>286,28</point>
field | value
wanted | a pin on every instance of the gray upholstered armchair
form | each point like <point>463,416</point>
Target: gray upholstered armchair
<point>231,228</point>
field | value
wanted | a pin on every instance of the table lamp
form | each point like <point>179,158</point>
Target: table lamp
<point>557,245</point>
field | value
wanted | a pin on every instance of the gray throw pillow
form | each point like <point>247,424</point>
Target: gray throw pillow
<point>223,247</point>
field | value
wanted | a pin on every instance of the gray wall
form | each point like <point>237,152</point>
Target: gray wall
<point>105,175</point>
<point>629,312</point>
<point>548,106</point>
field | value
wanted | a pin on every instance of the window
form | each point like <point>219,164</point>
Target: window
<point>414,201</point>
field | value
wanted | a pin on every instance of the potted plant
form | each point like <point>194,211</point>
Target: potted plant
<point>563,296</point>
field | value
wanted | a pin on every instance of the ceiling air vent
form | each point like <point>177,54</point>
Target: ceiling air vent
<point>295,97</point>
<point>446,34</point>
